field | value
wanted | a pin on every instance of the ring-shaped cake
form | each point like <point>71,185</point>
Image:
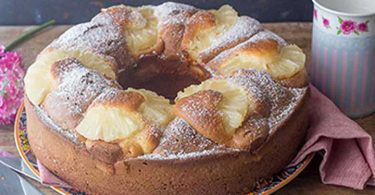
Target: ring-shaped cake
<point>166,99</point>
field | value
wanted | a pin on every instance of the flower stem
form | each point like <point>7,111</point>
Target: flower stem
<point>26,35</point>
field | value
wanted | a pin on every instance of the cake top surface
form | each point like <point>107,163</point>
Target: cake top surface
<point>242,102</point>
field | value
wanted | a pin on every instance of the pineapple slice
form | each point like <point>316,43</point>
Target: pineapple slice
<point>155,108</point>
<point>225,18</point>
<point>116,124</point>
<point>97,62</point>
<point>142,34</point>
<point>280,65</point>
<point>292,60</point>
<point>39,81</point>
<point>234,105</point>
<point>125,119</point>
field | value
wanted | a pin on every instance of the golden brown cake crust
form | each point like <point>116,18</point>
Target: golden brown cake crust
<point>172,26</point>
<point>153,174</point>
<point>73,95</point>
<point>92,131</point>
<point>269,104</point>
<point>208,122</point>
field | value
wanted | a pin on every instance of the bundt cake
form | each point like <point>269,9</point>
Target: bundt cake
<point>166,99</point>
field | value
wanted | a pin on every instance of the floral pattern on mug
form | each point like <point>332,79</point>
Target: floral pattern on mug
<point>326,22</point>
<point>349,26</point>
<point>346,26</point>
<point>363,27</point>
<point>315,14</point>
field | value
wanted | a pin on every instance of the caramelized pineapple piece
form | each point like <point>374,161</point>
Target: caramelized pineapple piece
<point>202,34</point>
<point>142,34</point>
<point>291,61</point>
<point>281,63</point>
<point>155,108</point>
<point>109,123</point>
<point>234,105</point>
<point>131,118</point>
<point>39,81</point>
<point>103,64</point>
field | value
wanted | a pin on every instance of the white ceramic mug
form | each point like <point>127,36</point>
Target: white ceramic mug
<point>343,53</point>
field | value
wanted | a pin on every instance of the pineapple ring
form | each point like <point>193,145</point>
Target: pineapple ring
<point>116,125</point>
<point>225,17</point>
<point>39,81</point>
<point>129,117</point>
<point>155,108</point>
<point>234,105</point>
<point>123,122</point>
<point>280,65</point>
<point>143,35</point>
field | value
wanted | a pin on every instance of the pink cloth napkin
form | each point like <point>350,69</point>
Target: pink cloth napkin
<point>50,179</point>
<point>348,151</point>
<point>45,175</point>
<point>6,154</point>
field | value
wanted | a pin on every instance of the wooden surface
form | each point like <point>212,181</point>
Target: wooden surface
<point>299,33</point>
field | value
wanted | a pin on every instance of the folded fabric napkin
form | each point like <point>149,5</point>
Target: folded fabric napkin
<point>348,151</point>
<point>45,175</point>
<point>50,179</point>
<point>5,154</point>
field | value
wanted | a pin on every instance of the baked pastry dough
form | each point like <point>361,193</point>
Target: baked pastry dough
<point>166,99</point>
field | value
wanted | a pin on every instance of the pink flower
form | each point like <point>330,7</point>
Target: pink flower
<point>315,13</point>
<point>363,27</point>
<point>11,85</point>
<point>325,22</point>
<point>348,26</point>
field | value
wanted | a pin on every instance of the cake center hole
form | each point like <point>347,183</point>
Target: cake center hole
<point>165,77</point>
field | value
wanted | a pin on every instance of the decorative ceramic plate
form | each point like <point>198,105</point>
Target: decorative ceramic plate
<point>263,187</point>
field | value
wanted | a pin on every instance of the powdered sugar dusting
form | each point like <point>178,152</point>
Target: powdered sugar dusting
<point>260,84</point>
<point>266,34</point>
<point>78,86</point>
<point>122,14</point>
<point>107,94</point>
<point>179,137</point>
<point>81,86</point>
<point>173,13</point>
<point>243,29</point>
<point>93,37</point>
<point>181,141</point>
<point>182,155</point>
<point>193,106</point>
<point>261,35</point>
<point>255,125</point>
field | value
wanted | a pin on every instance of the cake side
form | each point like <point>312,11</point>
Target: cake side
<point>216,173</point>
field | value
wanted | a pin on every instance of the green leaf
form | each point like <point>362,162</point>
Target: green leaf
<point>27,35</point>
<point>356,32</point>
<point>367,21</point>
<point>340,20</point>
<point>339,32</point>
